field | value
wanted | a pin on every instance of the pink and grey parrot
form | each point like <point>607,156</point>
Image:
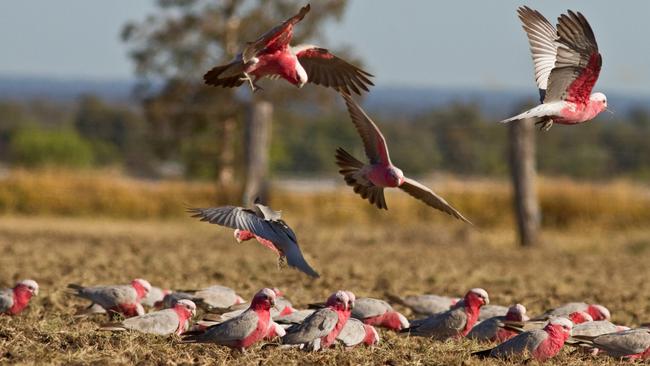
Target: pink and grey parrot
<point>122,299</point>
<point>272,56</point>
<point>15,300</point>
<point>378,313</point>
<point>266,226</point>
<point>491,329</point>
<point>540,344</point>
<point>244,330</point>
<point>356,332</point>
<point>426,305</point>
<point>370,179</point>
<point>320,329</point>
<point>162,322</point>
<point>567,66</point>
<point>629,344</point>
<point>454,323</point>
<point>597,312</point>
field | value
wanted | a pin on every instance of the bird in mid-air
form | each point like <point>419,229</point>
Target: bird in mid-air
<point>567,64</point>
<point>272,56</point>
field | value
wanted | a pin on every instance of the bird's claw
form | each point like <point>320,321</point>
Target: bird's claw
<point>282,262</point>
<point>545,125</point>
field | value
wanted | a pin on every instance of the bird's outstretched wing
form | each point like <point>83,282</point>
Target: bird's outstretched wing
<point>578,62</point>
<point>326,69</point>
<point>374,142</point>
<point>424,194</point>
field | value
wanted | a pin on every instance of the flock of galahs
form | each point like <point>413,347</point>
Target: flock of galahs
<point>567,64</point>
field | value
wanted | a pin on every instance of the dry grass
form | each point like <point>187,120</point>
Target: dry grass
<point>438,256</point>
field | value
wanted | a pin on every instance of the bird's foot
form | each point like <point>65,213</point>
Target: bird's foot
<point>282,262</point>
<point>545,125</point>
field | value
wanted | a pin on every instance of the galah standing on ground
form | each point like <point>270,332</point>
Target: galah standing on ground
<point>378,313</point>
<point>369,180</point>
<point>123,299</point>
<point>243,331</point>
<point>319,330</point>
<point>567,65</point>
<point>14,300</point>
<point>355,332</point>
<point>491,330</point>
<point>272,56</point>
<point>266,225</point>
<point>162,322</point>
<point>540,344</point>
<point>597,312</point>
<point>215,297</point>
<point>629,344</point>
<point>426,304</point>
<point>454,323</point>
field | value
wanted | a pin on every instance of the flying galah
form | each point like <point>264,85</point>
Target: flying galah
<point>426,304</point>
<point>267,227</point>
<point>319,330</point>
<point>123,299</point>
<point>272,56</point>
<point>629,344</point>
<point>14,300</point>
<point>597,312</point>
<point>378,313</point>
<point>355,332</point>
<point>455,322</point>
<point>369,180</point>
<point>491,330</point>
<point>215,297</point>
<point>567,65</point>
<point>162,322</point>
<point>243,331</point>
<point>540,344</point>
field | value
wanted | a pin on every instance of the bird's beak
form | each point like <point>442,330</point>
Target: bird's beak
<point>351,305</point>
<point>486,300</point>
<point>36,292</point>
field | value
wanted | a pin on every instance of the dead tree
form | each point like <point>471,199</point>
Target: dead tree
<point>258,143</point>
<point>523,170</point>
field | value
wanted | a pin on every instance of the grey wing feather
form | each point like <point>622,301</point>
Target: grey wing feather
<point>296,317</point>
<point>424,194</point>
<point>352,333</point>
<point>593,329</point>
<point>521,344</point>
<point>486,330</point>
<point>161,322</point>
<point>624,343</point>
<point>317,325</point>
<point>109,296</point>
<point>490,311</point>
<point>428,304</point>
<point>541,37</point>
<point>6,299</point>
<point>367,307</point>
<point>374,142</point>
<point>442,326</point>
<point>231,330</point>
<point>268,213</point>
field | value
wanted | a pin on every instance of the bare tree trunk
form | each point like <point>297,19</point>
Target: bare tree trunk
<point>258,143</point>
<point>523,170</point>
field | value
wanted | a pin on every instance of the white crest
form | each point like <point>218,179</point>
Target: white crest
<point>144,283</point>
<point>30,284</point>
<point>562,321</point>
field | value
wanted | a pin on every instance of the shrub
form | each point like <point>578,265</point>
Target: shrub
<point>32,147</point>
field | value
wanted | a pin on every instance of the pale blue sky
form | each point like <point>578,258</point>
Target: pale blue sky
<point>423,43</point>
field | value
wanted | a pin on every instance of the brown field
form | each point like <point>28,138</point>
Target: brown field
<point>436,255</point>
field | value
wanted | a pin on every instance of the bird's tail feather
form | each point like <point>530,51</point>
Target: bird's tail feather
<point>222,76</point>
<point>349,167</point>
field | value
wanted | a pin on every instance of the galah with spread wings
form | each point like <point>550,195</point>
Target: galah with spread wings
<point>123,299</point>
<point>162,322</point>
<point>267,227</point>
<point>567,65</point>
<point>244,330</point>
<point>370,179</point>
<point>272,56</point>
<point>15,300</point>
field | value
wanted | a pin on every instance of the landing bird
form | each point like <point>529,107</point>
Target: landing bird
<point>320,329</point>
<point>369,180</point>
<point>540,344</point>
<point>267,227</point>
<point>378,313</point>
<point>356,332</point>
<point>162,322</point>
<point>597,312</point>
<point>123,299</point>
<point>567,65</point>
<point>454,323</point>
<point>426,304</point>
<point>491,330</point>
<point>630,344</point>
<point>244,330</point>
<point>14,300</point>
<point>273,57</point>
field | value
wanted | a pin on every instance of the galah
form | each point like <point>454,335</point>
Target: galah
<point>123,299</point>
<point>370,179</point>
<point>567,64</point>
<point>267,226</point>
<point>540,344</point>
<point>490,311</point>
<point>356,332</point>
<point>320,329</point>
<point>595,328</point>
<point>426,304</point>
<point>162,322</point>
<point>491,330</point>
<point>155,296</point>
<point>629,344</point>
<point>14,300</point>
<point>243,331</point>
<point>272,56</point>
<point>212,297</point>
<point>378,313</point>
<point>597,312</point>
<point>295,317</point>
<point>455,322</point>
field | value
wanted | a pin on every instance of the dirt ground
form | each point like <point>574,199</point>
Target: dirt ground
<point>440,257</point>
